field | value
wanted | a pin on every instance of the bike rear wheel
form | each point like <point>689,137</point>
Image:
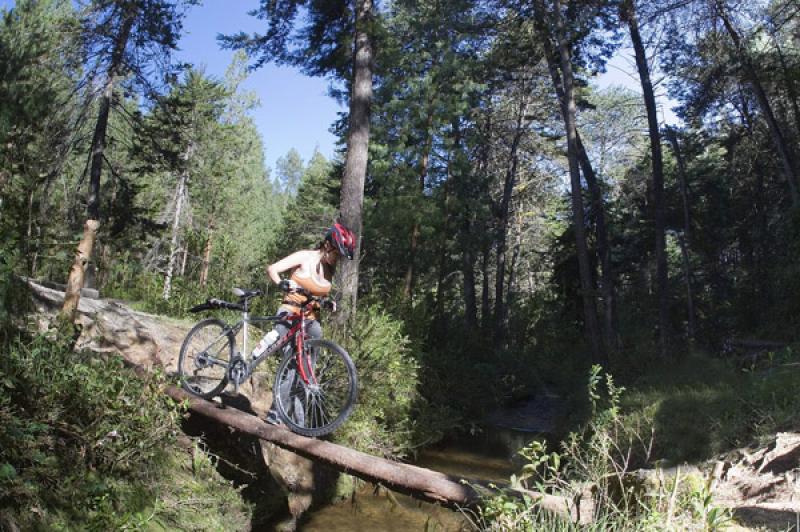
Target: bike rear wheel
<point>205,357</point>
<point>320,406</point>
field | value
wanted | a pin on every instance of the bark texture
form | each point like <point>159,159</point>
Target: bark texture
<point>503,215</point>
<point>75,282</point>
<point>568,107</point>
<point>355,167</point>
<point>685,239</point>
<point>180,196</point>
<point>76,275</point>
<point>629,14</point>
<point>418,482</point>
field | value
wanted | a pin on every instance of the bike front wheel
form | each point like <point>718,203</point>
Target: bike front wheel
<point>319,403</point>
<point>205,357</point>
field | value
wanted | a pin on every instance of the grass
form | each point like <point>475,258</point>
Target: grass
<point>88,445</point>
<point>702,406</point>
<point>685,411</point>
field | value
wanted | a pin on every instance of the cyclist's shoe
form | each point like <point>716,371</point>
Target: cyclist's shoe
<point>273,419</point>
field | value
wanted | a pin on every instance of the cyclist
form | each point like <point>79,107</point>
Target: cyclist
<point>312,270</point>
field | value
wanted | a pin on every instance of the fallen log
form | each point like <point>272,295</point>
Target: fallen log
<point>420,483</point>
<point>147,341</point>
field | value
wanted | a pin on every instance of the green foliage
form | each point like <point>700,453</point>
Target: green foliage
<point>88,444</point>
<point>702,407</point>
<point>75,427</point>
<point>312,210</point>
<point>387,376</point>
<point>602,455</point>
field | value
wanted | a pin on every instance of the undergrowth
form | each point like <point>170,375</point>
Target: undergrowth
<point>701,406</point>
<point>625,461</point>
<point>88,445</point>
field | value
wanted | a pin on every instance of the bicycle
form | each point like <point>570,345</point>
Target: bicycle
<point>315,385</point>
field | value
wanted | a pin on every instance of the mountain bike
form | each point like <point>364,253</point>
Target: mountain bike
<point>315,385</point>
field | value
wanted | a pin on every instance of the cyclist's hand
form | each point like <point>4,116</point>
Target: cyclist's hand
<point>329,304</point>
<point>287,285</point>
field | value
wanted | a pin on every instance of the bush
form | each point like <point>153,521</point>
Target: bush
<point>386,420</point>
<point>86,444</point>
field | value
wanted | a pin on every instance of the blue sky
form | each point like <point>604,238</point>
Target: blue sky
<point>295,110</point>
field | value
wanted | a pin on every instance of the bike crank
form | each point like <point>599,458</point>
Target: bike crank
<point>238,371</point>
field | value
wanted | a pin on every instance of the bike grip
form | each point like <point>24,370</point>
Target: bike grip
<point>287,285</point>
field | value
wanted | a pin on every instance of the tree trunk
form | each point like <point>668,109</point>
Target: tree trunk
<point>418,482</point>
<point>789,82</point>
<point>568,109</point>
<point>72,293</point>
<point>628,13</point>
<point>761,97</point>
<point>75,280</point>
<point>470,300</point>
<point>408,281</point>
<point>443,262</point>
<point>467,246</point>
<point>598,208</point>
<point>603,247</point>
<point>176,222</point>
<point>355,167</point>
<point>207,253</point>
<point>485,303</point>
<point>184,258</point>
<point>408,284</point>
<point>512,269</point>
<point>685,240</point>
<point>503,213</point>
<point>30,249</point>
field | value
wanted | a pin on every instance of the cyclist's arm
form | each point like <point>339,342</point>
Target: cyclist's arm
<point>287,263</point>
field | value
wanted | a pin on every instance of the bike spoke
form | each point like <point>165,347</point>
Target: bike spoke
<point>316,405</point>
<point>205,357</point>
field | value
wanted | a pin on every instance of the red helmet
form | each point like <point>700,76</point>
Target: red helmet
<point>344,240</point>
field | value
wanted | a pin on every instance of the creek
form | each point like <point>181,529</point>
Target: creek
<point>489,455</point>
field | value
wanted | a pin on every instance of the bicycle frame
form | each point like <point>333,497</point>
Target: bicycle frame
<point>297,331</point>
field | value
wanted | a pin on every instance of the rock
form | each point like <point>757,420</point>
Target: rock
<point>294,474</point>
<point>782,455</point>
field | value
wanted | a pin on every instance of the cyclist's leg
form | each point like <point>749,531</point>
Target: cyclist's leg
<point>314,330</point>
<point>292,384</point>
<point>272,415</point>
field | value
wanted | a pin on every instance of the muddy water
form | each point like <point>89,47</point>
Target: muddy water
<point>383,511</point>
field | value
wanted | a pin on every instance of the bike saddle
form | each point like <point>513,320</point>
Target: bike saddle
<point>246,293</point>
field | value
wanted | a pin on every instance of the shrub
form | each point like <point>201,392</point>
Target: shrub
<point>388,378</point>
<point>87,444</point>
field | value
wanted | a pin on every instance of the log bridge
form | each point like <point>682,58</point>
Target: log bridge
<point>145,341</point>
<point>418,482</point>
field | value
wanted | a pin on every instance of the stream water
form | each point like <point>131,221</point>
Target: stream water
<point>488,456</point>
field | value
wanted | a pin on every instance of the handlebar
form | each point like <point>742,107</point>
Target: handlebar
<point>325,302</point>
<point>246,295</point>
